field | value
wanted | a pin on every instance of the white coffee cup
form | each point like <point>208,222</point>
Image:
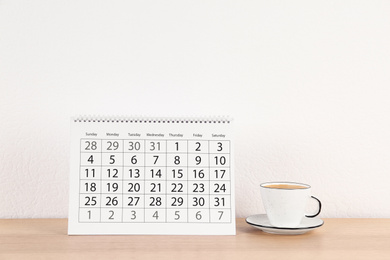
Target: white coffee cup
<point>285,202</point>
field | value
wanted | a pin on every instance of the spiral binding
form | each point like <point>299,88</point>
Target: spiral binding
<point>160,120</point>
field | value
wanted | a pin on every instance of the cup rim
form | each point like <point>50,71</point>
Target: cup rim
<point>263,185</point>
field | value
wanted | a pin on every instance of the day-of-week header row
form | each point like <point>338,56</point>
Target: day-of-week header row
<point>157,135</point>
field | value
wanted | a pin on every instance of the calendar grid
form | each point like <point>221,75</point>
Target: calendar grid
<point>202,197</point>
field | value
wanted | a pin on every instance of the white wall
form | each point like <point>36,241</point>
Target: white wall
<point>308,83</point>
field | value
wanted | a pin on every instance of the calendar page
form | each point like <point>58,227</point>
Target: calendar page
<point>151,176</point>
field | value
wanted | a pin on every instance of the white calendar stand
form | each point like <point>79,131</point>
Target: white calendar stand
<point>151,176</point>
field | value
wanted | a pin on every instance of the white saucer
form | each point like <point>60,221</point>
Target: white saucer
<point>261,221</point>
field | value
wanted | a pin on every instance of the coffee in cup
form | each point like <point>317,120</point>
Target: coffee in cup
<point>285,202</point>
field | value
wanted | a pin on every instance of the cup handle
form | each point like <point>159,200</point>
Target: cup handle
<point>319,208</point>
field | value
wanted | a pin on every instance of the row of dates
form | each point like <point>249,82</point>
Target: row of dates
<point>152,187</point>
<point>155,146</point>
<point>154,173</point>
<point>153,201</point>
<point>155,215</point>
<point>134,159</point>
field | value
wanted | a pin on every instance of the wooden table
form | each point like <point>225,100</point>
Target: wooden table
<point>336,239</point>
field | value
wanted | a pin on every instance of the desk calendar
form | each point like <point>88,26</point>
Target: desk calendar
<point>151,176</point>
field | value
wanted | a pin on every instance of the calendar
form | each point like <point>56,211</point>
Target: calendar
<point>172,176</point>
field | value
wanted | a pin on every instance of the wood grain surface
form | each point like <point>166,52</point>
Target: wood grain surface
<point>336,239</point>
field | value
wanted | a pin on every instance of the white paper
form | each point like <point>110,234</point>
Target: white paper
<point>151,176</point>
